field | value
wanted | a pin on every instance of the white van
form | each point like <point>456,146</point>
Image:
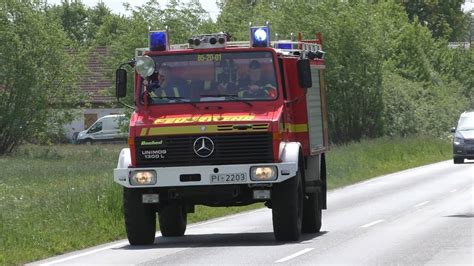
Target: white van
<point>106,128</point>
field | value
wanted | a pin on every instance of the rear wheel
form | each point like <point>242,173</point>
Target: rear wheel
<point>312,214</point>
<point>287,209</point>
<point>458,160</point>
<point>173,220</point>
<point>140,219</point>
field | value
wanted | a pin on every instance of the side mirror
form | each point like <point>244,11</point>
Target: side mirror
<point>453,130</point>
<point>304,73</point>
<point>121,83</point>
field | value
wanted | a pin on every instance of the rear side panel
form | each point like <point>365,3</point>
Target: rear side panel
<point>315,109</point>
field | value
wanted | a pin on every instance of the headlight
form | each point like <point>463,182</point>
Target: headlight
<point>263,173</point>
<point>458,141</point>
<point>140,178</point>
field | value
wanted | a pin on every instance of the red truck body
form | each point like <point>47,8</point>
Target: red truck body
<point>226,150</point>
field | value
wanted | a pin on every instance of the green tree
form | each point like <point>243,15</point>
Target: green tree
<point>74,17</point>
<point>234,18</point>
<point>37,73</point>
<point>84,25</point>
<point>445,19</point>
<point>101,24</point>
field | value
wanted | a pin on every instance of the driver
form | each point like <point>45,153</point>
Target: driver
<point>166,85</point>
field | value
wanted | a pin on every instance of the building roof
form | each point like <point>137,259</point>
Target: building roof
<point>96,81</point>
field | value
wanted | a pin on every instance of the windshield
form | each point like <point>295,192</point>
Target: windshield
<point>466,123</point>
<point>234,76</point>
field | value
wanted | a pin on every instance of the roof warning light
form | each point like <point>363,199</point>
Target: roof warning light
<point>158,41</point>
<point>260,36</point>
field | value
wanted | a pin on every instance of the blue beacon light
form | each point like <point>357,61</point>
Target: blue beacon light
<point>158,40</point>
<point>284,46</point>
<point>260,36</point>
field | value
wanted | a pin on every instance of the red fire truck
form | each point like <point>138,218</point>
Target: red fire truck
<point>221,123</point>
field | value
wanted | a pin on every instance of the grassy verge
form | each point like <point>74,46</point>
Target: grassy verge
<point>348,164</point>
<point>62,198</point>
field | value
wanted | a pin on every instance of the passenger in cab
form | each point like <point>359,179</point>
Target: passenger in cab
<point>255,86</point>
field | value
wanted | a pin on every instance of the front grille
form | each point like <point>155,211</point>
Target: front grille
<point>243,127</point>
<point>469,141</point>
<point>228,149</point>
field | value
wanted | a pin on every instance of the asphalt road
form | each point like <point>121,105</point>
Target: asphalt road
<point>419,216</point>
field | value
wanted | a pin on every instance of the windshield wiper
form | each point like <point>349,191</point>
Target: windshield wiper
<point>178,99</point>
<point>169,97</point>
<point>229,96</point>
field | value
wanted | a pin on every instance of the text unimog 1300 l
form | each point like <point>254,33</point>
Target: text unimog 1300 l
<point>206,140</point>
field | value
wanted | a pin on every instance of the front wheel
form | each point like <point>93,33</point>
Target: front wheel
<point>287,209</point>
<point>312,214</point>
<point>140,219</point>
<point>173,220</point>
<point>458,160</point>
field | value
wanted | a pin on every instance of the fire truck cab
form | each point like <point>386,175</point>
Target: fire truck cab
<point>221,123</point>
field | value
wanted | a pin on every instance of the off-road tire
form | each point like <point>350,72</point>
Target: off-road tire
<point>287,209</point>
<point>140,219</point>
<point>173,220</point>
<point>312,214</point>
<point>458,160</point>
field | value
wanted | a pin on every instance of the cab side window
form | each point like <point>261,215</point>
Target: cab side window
<point>95,128</point>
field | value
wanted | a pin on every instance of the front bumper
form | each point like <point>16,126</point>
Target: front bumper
<point>173,176</point>
<point>465,150</point>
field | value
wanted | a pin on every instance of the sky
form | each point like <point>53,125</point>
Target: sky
<point>117,7</point>
<point>468,5</point>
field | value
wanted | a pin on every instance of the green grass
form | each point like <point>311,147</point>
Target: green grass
<point>348,164</point>
<point>62,198</point>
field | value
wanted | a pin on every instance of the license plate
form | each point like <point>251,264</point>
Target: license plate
<point>228,178</point>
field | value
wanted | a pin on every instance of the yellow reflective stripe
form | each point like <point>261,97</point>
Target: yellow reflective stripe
<point>241,93</point>
<point>163,93</point>
<point>207,85</point>
<point>196,130</point>
<point>297,128</point>
<point>176,92</point>
<point>144,132</point>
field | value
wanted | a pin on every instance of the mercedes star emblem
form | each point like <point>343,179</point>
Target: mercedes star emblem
<point>203,147</point>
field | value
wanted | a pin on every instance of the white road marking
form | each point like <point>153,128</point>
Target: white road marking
<point>120,244</point>
<point>421,204</point>
<point>372,223</point>
<point>299,253</point>
<point>124,243</point>
<point>454,190</point>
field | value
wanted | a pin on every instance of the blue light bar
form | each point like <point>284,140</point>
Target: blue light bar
<point>158,40</point>
<point>284,46</point>
<point>260,36</point>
